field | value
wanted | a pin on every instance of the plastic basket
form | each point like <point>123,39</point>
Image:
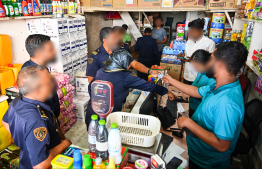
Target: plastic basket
<point>135,129</point>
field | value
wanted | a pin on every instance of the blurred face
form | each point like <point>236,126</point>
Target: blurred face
<point>48,52</point>
<point>199,67</point>
<point>158,22</point>
<point>112,41</point>
<point>195,34</point>
<point>45,88</point>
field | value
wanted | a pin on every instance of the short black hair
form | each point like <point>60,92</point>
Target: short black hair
<point>35,42</point>
<point>158,18</point>
<point>201,56</point>
<point>104,32</point>
<point>125,26</point>
<point>148,30</point>
<point>234,54</point>
<point>197,24</point>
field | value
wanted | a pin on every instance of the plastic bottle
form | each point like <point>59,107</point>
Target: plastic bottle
<point>25,8</point>
<point>87,163</point>
<point>2,10</point>
<point>45,2</point>
<point>54,4</point>
<point>234,36</point>
<point>50,7</point>
<point>111,164</point>
<point>30,7</point>
<point>114,144</point>
<point>4,2</point>
<point>78,7</point>
<point>20,7</point>
<point>36,8</point>
<point>77,159</point>
<point>99,164</point>
<point>11,8</point>
<point>16,8</point>
<point>102,140</point>
<point>42,7</point>
<point>92,133</point>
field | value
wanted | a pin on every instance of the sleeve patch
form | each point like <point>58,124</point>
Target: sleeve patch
<point>40,133</point>
<point>90,60</point>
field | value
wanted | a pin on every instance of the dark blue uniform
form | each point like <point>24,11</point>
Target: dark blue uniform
<point>147,47</point>
<point>125,46</point>
<point>96,61</point>
<point>122,81</point>
<point>34,130</point>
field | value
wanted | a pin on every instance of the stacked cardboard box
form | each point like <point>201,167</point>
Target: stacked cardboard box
<point>69,38</point>
<point>81,103</point>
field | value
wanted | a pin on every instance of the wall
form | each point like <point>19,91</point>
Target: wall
<point>94,23</point>
<point>16,29</point>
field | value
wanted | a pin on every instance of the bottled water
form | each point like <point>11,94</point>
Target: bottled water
<point>102,140</point>
<point>92,133</point>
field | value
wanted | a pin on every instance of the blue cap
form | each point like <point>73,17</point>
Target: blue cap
<point>77,155</point>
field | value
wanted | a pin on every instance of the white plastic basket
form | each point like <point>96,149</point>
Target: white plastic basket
<point>135,129</point>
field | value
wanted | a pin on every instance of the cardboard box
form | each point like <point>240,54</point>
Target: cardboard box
<point>149,4</point>
<point>81,103</point>
<point>173,70</point>
<point>82,86</point>
<point>101,3</point>
<point>125,3</point>
<point>188,3</point>
<point>167,3</point>
<point>85,2</point>
<point>222,4</point>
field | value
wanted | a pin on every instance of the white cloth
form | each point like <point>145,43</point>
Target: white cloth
<point>204,43</point>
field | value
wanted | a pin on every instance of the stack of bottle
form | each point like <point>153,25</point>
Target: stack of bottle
<point>106,146</point>
<point>217,26</point>
<point>170,59</point>
<point>170,51</point>
<point>65,94</point>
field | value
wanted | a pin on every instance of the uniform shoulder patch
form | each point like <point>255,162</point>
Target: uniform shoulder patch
<point>90,60</point>
<point>40,133</point>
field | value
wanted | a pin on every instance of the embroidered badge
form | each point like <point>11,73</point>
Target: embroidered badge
<point>40,133</point>
<point>90,60</point>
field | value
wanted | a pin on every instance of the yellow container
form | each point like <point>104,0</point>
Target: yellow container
<point>7,79</point>
<point>5,138</point>
<point>5,50</point>
<point>62,162</point>
<point>3,109</point>
<point>16,68</point>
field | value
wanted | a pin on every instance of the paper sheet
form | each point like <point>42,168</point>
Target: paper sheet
<point>180,108</point>
<point>129,1</point>
<point>175,151</point>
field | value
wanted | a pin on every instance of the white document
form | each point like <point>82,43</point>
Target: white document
<point>129,1</point>
<point>180,108</point>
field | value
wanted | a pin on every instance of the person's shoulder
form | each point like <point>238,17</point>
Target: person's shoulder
<point>25,64</point>
<point>94,53</point>
<point>208,41</point>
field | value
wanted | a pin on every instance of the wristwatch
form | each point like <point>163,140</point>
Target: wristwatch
<point>149,71</point>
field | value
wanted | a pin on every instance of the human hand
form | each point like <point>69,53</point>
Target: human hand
<point>155,73</point>
<point>167,79</point>
<point>171,96</point>
<point>182,121</point>
<point>185,96</point>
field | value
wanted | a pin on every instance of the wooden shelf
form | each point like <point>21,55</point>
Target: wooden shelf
<point>244,19</point>
<point>97,9</point>
<point>251,65</point>
<point>33,17</point>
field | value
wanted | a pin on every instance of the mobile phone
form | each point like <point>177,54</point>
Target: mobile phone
<point>173,163</point>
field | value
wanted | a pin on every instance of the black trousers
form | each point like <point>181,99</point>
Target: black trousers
<point>193,165</point>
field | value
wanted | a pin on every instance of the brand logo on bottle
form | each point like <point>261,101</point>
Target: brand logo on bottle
<point>16,11</point>
<point>11,9</point>
<point>2,12</point>
<point>25,10</point>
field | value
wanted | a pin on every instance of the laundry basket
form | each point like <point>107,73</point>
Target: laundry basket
<point>135,129</point>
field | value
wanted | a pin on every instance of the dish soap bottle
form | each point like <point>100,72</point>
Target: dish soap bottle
<point>111,164</point>
<point>87,163</point>
<point>99,164</point>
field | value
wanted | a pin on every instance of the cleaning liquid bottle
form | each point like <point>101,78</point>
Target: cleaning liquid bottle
<point>36,8</point>
<point>48,12</point>
<point>30,8</point>
<point>2,10</point>
<point>77,159</point>
<point>92,129</point>
<point>59,7</point>
<point>102,140</point>
<point>50,7</point>
<point>54,4</point>
<point>25,8</point>
<point>87,163</point>
<point>114,144</point>
<point>42,7</point>
<point>16,8</point>
<point>45,7</point>
<point>111,164</point>
<point>99,164</point>
<point>11,8</point>
<point>20,7</point>
<point>6,8</point>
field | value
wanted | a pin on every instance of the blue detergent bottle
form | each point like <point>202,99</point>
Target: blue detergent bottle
<point>77,159</point>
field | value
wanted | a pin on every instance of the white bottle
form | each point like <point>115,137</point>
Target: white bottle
<point>114,144</point>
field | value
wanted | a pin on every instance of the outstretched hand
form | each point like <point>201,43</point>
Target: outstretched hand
<point>167,79</point>
<point>155,73</point>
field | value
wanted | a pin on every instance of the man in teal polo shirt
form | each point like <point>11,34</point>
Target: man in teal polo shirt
<point>217,122</point>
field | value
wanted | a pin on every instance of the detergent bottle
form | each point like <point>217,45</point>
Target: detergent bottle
<point>20,7</point>
<point>6,8</point>
<point>11,8</point>
<point>16,8</point>
<point>36,8</point>
<point>25,8</point>
<point>50,7</point>
<point>30,7</point>
<point>2,10</point>
<point>42,7</point>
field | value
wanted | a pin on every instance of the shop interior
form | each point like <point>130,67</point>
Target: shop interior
<point>147,121</point>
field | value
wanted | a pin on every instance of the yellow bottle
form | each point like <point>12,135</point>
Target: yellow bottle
<point>99,164</point>
<point>234,36</point>
<point>111,164</point>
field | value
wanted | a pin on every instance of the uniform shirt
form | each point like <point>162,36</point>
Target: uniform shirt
<point>96,61</point>
<point>201,80</point>
<point>159,35</point>
<point>125,46</point>
<point>205,44</point>
<point>127,38</point>
<point>122,81</point>
<point>53,102</point>
<point>33,134</point>
<point>146,46</point>
<point>220,112</point>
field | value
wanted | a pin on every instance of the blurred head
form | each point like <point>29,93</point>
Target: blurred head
<point>148,31</point>
<point>119,33</point>
<point>158,22</point>
<point>200,59</point>
<point>40,46</point>
<point>107,38</point>
<point>125,27</point>
<point>228,58</point>
<point>35,82</point>
<point>196,27</point>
